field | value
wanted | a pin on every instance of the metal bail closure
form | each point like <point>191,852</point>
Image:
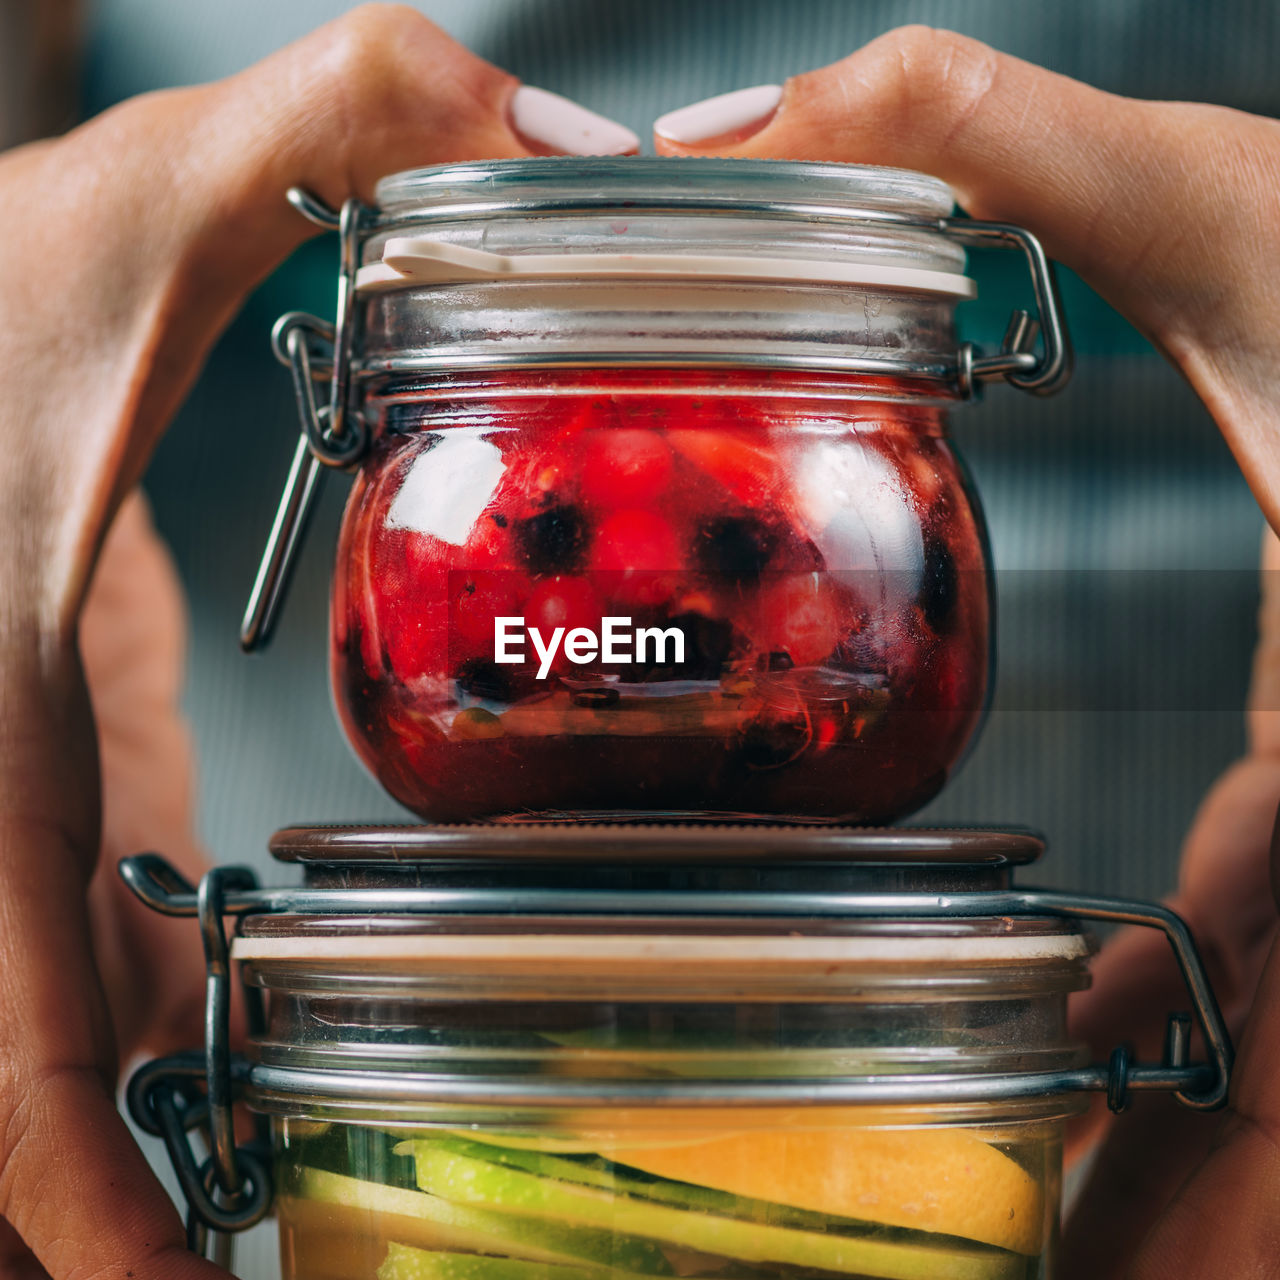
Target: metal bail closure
<point>1016,362</point>
<point>231,1189</point>
<point>312,350</point>
<point>333,436</point>
<point>1201,1086</point>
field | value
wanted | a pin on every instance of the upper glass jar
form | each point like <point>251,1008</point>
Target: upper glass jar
<point>655,510</point>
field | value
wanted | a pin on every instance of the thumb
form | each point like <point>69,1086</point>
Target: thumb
<point>1164,208</point>
<point>186,189</point>
<point>1223,1221</point>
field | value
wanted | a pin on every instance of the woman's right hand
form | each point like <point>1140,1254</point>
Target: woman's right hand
<point>1172,212</point>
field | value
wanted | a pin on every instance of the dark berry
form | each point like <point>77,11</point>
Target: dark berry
<point>553,541</point>
<point>484,679</point>
<point>939,589</point>
<point>735,547</point>
<point>708,643</point>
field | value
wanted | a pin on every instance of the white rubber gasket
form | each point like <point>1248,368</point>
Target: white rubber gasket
<point>584,952</point>
<point>411,261</point>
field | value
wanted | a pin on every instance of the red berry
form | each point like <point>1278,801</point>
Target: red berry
<point>477,598</point>
<point>638,554</point>
<point>739,458</point>
<point>416,640</point>
<point>624,467</point>
<point>409,600</point>
<point>562,601</point>
<point>798,615</point>
<point>489,543</point>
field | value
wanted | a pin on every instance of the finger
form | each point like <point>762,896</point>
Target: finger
<point>378,91</point>
<point>187,192</point>
<point>1165,208</point>
<point>1135,986</point>
<point>133,640</point>
<point>1143,1160</point>
<point>73,1184</point>
<point>80,1192</point>
<point>1015,141</point>
<point>1224,887</point>
<point>1239,1181</point>
<point>1264,688</point>
<point>1223,895</point>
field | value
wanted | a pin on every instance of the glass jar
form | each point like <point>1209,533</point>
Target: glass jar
<point>655,508</point>
<point>568,1053</point>
<point>773,643</point>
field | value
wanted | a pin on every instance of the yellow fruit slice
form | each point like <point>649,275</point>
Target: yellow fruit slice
<point>944,1180</point>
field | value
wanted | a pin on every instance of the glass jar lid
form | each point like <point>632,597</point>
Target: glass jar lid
<point>654,910</point>
<point>495,184</point>
<point>421,986</point>
<point>757,222</point>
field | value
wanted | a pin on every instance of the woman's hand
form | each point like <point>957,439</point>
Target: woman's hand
<point>1172,212</point>
<point>126,247</point>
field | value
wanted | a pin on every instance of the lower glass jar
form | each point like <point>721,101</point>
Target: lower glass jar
<point>532,1097</point>
<point>573,1051</point>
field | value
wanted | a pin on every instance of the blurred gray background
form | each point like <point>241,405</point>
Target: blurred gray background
<point>1126,540</point>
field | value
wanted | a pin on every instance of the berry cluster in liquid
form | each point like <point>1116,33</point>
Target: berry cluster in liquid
<point>814,564</point>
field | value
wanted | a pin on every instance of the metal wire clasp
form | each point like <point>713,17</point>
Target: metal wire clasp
<point>1016,362</point>
<point>333,436</point>
<point>313,350</point>
<point>229,1190</point>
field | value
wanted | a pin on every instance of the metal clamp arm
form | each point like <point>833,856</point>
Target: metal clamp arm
<point>331,437</point>
<point>1016,363</point>
<point>1202,1086</point>
<point>1174,1072</point>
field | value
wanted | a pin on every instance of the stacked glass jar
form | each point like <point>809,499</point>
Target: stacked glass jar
<point>657,572</point>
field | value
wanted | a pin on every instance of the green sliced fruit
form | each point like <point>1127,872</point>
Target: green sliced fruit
<point>403,1262</point>
<point>613,1178</point>
<point>484,1184</point>
<point>523,1141</point>
<point>440,1224</point>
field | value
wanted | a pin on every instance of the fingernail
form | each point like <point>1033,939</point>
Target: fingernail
<point>731,117</point>
<point>552,123</point>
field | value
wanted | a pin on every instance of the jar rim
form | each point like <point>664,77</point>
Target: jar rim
<point>659,841</point>
<point>854,190</point>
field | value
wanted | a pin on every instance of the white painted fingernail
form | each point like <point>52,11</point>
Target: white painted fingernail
<point>731,117</point>
<point>562,125</point>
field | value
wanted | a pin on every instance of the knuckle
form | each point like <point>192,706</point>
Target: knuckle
<point>926,70</point>
<point>388,63</point>
<point>362,43</point>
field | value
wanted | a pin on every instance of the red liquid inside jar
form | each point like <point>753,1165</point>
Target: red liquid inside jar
<point>586,592</point>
